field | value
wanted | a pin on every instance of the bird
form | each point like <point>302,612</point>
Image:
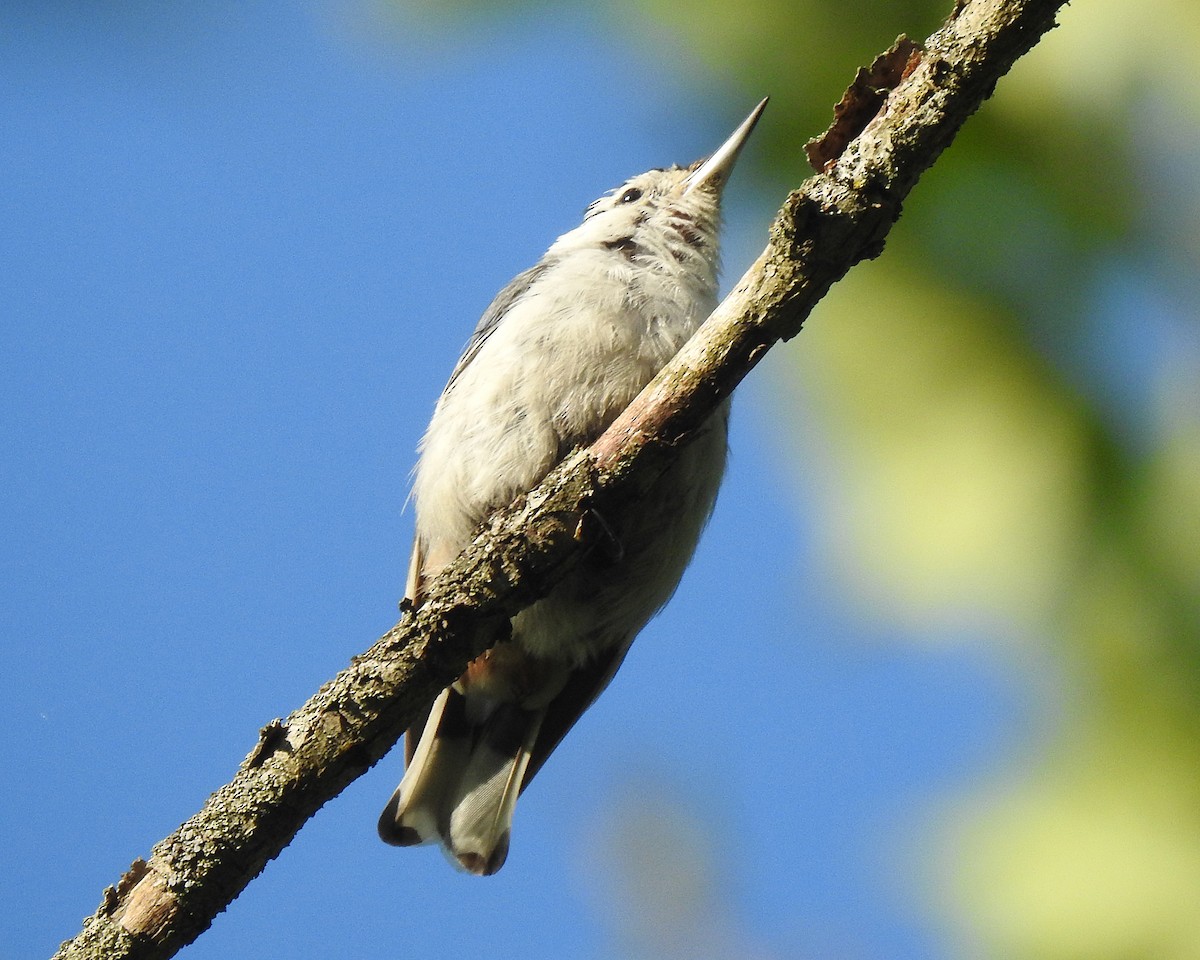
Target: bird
<point>556,357</point>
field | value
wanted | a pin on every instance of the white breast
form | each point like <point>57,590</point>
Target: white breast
<point>564,361</point>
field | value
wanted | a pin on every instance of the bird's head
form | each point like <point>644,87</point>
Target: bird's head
<point>664,216</point>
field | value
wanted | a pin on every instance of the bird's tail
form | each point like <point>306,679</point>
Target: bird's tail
<point>462,783</point>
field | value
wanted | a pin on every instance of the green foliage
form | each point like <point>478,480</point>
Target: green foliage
<point>1009,440</point>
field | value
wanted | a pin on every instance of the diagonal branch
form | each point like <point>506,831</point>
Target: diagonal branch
<point>891,126</point>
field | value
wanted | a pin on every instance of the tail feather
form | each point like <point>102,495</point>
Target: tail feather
<point>462,784</point>
<point>481,820</point>
<point>412,816</point>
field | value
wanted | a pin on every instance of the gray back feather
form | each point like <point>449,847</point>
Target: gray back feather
<point>514,291</point>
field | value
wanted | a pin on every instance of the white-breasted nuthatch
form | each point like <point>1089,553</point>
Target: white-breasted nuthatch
<point>558,355</point>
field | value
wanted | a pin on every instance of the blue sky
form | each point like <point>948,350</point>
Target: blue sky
<point>242,248</point>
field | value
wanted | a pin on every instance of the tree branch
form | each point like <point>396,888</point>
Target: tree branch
<point>891,126</point>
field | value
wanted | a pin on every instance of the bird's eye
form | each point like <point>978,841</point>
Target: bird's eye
<point>630,195</point>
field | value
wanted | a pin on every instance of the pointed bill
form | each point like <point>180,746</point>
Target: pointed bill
<point>716,169</point>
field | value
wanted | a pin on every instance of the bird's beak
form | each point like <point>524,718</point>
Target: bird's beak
<point>714,172</point>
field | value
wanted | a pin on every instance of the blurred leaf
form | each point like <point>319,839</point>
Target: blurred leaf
<point>959,466</point>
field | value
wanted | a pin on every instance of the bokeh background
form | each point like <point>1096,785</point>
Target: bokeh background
<point>932,687</point>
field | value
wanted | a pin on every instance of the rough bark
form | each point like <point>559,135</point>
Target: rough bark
<point>893,123</point>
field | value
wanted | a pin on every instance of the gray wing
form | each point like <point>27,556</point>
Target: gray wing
<point>516,289</point>
<point>582,688</point>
